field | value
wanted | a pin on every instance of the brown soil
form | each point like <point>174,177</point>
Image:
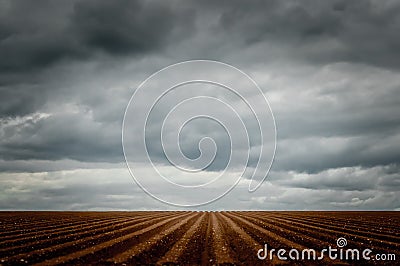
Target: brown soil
<point>190,238</point>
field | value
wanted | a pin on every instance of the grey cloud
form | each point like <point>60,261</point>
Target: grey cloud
<point>317,154</point>
<point>36,166</point>
<point>346,179</point>
<point>74,197</point>
<point>38,37</point>
<point>113,190</point>
<point>333,31</point>
<point>61,136</point>
<point>34,35</point>
<point>39,34</point>
<point>129,26</point>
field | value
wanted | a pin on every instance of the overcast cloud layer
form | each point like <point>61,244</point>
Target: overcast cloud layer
<point>330,70</point>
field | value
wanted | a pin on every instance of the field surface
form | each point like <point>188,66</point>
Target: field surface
<point>190,238</point>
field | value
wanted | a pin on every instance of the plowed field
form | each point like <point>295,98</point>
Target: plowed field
<point>193,238</point>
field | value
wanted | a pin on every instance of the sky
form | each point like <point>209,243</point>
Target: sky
<point>329,69</point>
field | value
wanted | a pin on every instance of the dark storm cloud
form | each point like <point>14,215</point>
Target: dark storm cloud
<point>16,101</point>
<point>35,166</point>
<point>34,35</point>
<point>382,178</point>
<point>128,26</point>
<point>73,197</point>
<point>78,32</point>
<point>315,155</point>
<point>322,31</point>
<point>49,138</point>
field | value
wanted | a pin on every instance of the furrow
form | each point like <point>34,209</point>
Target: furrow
<point>338,230</point>
<point>284,229</point>
<point>331,235</point>
<point>222,252</point>
<point>366,228</point>
<point>160,238</point>
<point>53,233</point>
<point>268,234</point>
<point>93,250</point>
<point>182,246</point>
<point>77,244</point>
<point>87,231</point>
